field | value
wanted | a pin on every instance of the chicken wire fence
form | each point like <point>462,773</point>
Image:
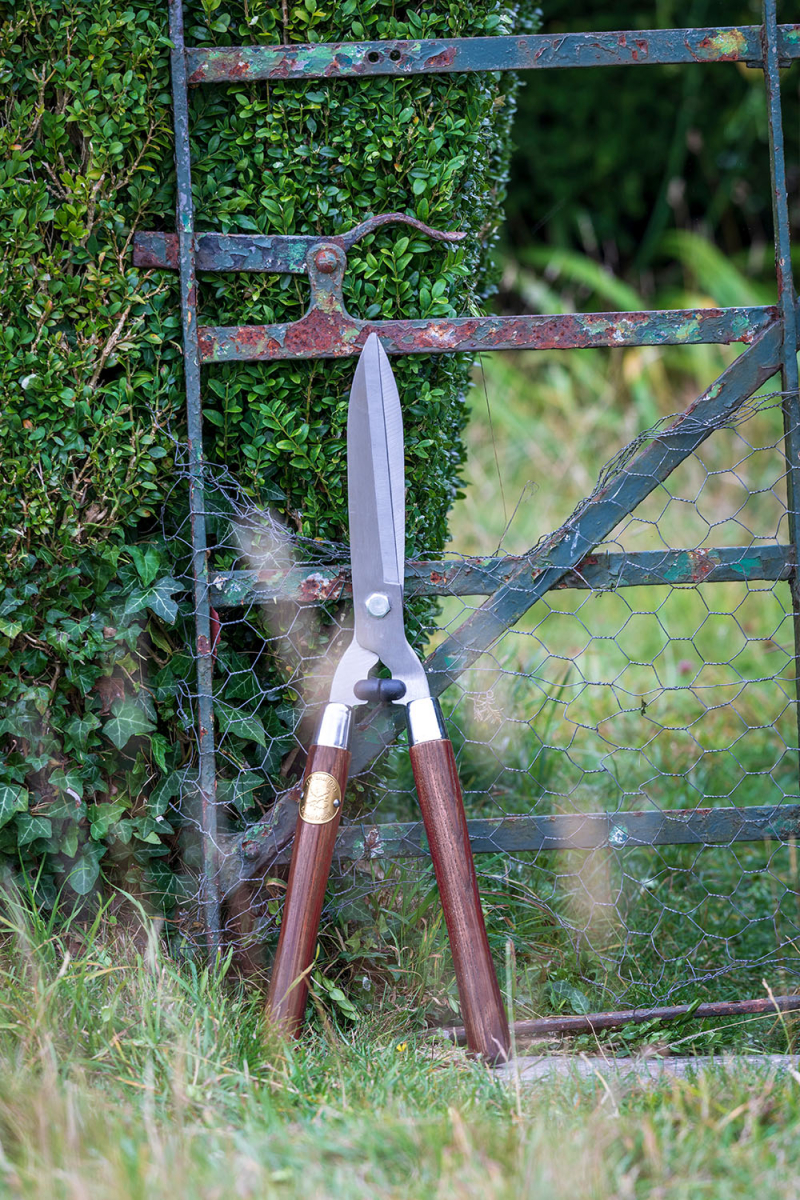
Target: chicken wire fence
<point>621,698</point>
<point>627,751</point>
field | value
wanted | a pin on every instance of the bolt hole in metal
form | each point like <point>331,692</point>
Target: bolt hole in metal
<point>373,56</point>
<point>395,55</point>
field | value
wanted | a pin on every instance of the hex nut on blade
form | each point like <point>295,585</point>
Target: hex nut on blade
<point>378,604</point>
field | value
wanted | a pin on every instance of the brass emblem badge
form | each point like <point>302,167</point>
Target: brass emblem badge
<point>321,798</point>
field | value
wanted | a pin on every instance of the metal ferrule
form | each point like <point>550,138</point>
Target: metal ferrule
<point>334,727</point>
<point>425,721</point>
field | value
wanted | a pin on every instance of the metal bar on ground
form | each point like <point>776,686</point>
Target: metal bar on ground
<point>787,303</point>
<point>339,60</point>
<point>560,831</point>
<point>594,1022</point>
<point>191,359</point>
<point>336,334</point>
<point>315,584</point>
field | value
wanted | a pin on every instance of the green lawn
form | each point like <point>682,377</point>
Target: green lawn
<point>122,1075</point>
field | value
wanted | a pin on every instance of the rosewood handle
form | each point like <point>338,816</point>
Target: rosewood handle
<point>314,840</point>
<point>439,791</point>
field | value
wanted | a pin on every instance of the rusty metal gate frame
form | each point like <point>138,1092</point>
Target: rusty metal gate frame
<point>566,559</point>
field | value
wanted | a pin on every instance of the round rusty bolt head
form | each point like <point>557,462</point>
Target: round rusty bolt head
<point>326,261</point>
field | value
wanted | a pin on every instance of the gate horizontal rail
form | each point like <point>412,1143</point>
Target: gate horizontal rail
<point>567,831</point>
<point>530,52</point>
<point>338,335</point>
<point>316,584</point>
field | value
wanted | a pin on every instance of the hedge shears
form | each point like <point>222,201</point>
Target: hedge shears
<point>376,502</point>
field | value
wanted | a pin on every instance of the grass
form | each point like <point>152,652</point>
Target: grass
<point>123,1074</point>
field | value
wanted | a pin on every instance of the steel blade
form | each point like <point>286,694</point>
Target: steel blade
<point>376,500</point>
<point>375,477</point>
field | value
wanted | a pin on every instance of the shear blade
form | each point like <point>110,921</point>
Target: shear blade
<point>376,501</point>
<point>375,477</point>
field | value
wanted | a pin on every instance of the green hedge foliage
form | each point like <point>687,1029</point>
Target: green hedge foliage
<point>93,630</point>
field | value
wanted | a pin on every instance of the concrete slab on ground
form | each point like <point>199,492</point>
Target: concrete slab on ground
<point>643,1070</point>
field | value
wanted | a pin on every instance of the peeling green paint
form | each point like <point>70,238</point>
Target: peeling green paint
<point>726,44</point>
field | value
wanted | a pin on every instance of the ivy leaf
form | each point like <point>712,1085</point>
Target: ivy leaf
<point>30,828</point>
<point>151,837</point>
<point>147,561</point>
<point>242,724</point>
<point>12,800</point>
<point>68,843</point>
<point>158,748</point>
<point>69,782</point>
<point>239,791</point>
<point>129,720</point>
<point>157,597</point>
<point>560,991</point>
<point>83,875</point>
<point>102,817</point>
<point>163,792</point>
<point>79,729</point>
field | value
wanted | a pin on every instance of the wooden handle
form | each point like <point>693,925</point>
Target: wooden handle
<point>314,840</point>
<point>439,791</point>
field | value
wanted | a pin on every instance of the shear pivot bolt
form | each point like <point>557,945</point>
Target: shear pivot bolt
<point>378,604</point>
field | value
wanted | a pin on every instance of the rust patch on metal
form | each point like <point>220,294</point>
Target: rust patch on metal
<point>151,251</point>
<point>787,827</point>
<point>215,630</point>
<point>241,69</point>
<point>438,61</point>
<point>318,587</point>
<point>203,647</point>
<point>344,64</point>
<point>568,579</point>
<point>247,337</point>
<point>702,564</point>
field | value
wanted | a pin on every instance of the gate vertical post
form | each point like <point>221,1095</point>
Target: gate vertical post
<point>197,510</point>
<point>787,303</point>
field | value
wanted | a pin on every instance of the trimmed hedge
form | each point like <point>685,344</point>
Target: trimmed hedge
<point>93,657</point>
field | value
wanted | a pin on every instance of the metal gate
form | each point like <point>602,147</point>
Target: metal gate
<point>566,559</point>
